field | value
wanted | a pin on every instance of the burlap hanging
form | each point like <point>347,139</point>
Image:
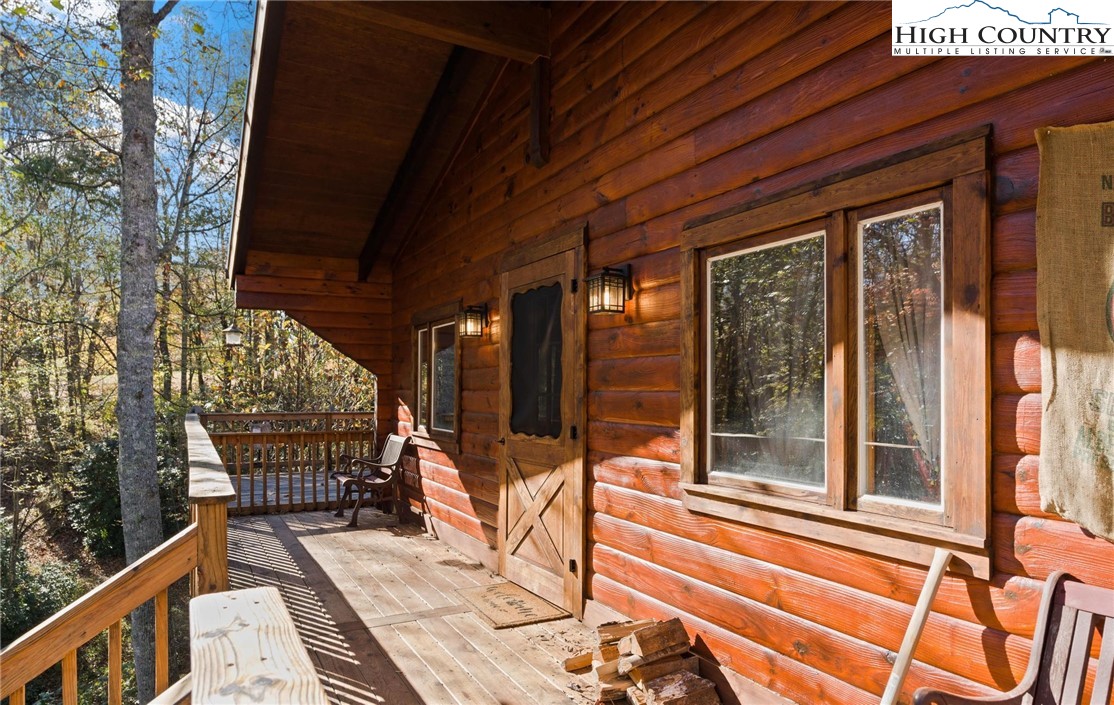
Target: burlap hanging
<point>1075,313</point>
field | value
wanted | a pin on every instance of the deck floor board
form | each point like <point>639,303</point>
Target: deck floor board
<point>378,611</point>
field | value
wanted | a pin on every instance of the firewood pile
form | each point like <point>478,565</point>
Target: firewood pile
<point>645,663</point>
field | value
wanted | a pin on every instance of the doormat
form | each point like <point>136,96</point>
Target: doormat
<point>506,605</point>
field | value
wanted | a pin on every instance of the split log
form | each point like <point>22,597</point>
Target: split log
<point>627,663</point>
<point>614,687</point>
<point>605,660</point>
<point>641,675</point>
<point>612,633</point>
<point>681,688</point>
<point>655,638</point>
<point>580,662</point>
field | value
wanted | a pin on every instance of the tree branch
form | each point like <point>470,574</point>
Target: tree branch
<point>164,11</point>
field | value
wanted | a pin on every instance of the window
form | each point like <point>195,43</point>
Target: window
<point>536,362</point>
<point>841,359</point>
<point>436,376</point>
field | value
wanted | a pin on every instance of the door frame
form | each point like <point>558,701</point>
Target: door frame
<point>557,243</point>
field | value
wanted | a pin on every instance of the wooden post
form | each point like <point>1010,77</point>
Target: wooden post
<point>210,492</point>
<point>69,678</point>
<point>162,641</point>
<point>916,625</point>
<point>211,574</point>
<point>115,664</point>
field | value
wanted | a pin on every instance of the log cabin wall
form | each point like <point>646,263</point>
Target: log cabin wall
<point>662,113</point>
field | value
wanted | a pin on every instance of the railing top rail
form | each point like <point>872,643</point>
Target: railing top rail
<point>287,415</point>
<point>109,602</point>
<point>209,483</point>
<point>257,436</point>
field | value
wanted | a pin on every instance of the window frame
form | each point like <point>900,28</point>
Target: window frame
<point>956,168</point>
<point>423,324</point>
<point>782,236</point>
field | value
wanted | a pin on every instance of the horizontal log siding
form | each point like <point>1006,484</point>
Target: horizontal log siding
<point>666,112</point>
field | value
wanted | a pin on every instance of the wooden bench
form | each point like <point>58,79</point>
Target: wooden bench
<point>1071,613</point>
<point>244,648</point>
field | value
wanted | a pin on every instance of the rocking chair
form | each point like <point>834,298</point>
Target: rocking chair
<point>378,479</point>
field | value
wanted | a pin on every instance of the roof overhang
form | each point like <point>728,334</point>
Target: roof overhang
<point>354,113</point>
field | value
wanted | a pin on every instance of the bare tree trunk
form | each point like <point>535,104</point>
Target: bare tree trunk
<point>184,283</point>
<point>135,406</point>
<point>167,371</point>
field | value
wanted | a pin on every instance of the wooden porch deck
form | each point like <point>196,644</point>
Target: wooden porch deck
<point>378,611</point>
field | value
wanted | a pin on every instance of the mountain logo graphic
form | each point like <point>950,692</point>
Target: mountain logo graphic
<point>1056,17</point>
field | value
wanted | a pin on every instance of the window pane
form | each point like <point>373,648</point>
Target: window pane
<point>536,362</point>
<point>444,377</point>
<point>423,378</point>
<point>902,311</point>
<point>767,362</point>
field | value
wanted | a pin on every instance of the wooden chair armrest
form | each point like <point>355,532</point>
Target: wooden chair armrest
<point>370,463</point>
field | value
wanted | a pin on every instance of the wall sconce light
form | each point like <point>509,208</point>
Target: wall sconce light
<point>471,321</point>
<point>233,336</point>
<point>609,290</point>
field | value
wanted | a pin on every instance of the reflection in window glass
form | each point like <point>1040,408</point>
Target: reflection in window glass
<point>423,378</point>
<point>444,377</point>
<point>767,362</point>
<point>902,312</point>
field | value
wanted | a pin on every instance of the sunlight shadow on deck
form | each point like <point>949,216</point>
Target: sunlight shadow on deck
<point>377,609</point>
<point>257,557</point>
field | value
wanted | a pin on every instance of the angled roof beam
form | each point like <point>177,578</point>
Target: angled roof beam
<point>268,35</point>
<point>515,30</point>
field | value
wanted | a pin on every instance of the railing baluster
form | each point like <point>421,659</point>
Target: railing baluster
<point>291,456</point>
<point>313,464</point>
<point>265,464</point>
<point>69,678</point>
<point>162,642</point>
<point>19,697</point>
<point>302,470</point>
<point>327,449</point>
<point>115,664</point>
<point>239,476</point>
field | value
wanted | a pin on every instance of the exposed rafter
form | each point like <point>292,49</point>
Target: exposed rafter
<point>515,30</point>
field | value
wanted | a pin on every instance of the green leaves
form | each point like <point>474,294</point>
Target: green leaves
<point>198,28</point>
<point>57,4</point>
<point>20,11</point>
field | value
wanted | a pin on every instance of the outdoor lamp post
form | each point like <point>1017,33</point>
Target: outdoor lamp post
<point>233,337</point>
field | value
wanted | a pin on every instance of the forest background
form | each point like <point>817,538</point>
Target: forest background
<point>60,210</point>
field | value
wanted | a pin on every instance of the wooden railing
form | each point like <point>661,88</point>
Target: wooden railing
<point>281,462</point>
<point>201,550</point>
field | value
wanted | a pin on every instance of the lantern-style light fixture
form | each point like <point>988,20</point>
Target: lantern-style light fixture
<point>233,336</point>
<point>609,290</point>
<point>470,322</point>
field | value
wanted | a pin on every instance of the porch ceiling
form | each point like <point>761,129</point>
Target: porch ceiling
<point>355,111</point>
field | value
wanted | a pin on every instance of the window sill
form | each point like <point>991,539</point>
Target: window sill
<point>441,443</point>
<point>869,533</point>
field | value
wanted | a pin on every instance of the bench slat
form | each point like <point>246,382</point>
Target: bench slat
<point>1104,674</point>
<point>1078,657</point>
